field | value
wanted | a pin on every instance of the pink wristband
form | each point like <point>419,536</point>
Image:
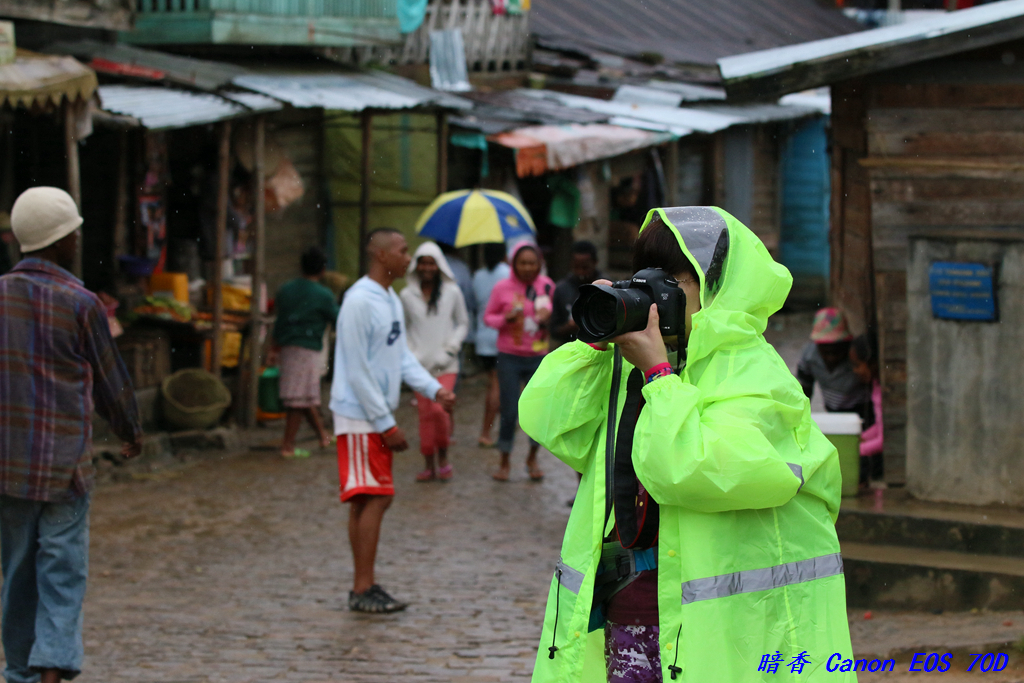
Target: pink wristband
<point>596,347</point>
<point>659,370</point>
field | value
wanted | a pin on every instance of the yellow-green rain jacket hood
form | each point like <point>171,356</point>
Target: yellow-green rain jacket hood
<point>748,488</point>
<point>741,286</point>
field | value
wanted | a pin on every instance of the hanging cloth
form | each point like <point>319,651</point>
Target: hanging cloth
<point>565,202</point>
<point>410,14</point>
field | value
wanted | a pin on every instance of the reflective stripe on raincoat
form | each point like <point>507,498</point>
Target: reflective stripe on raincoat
<point>748,559</point>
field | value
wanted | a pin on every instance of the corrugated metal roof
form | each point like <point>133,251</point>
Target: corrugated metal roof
<point>252,100</point>
<point>197,73</point>
<point>761,113</point>
<point>820,99</point>
<point>655,117</point>
<point>808,65</point>
<point>498,112</point>
<point>161,108</point>
<point>349,92</point>
<point>571,145</point>
<point>638,94</point>
<point>687,91</point>
<point>686,31</point>
<point>502,110</point>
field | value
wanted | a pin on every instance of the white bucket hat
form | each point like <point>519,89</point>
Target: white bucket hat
<point>43,215</point>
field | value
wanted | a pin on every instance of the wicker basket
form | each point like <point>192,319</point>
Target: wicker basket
<point>194,399</point>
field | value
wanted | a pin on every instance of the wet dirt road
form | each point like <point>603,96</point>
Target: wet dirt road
<point>238,570</point>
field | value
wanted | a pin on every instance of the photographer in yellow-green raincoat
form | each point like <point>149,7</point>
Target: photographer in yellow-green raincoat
<point>744,577</point>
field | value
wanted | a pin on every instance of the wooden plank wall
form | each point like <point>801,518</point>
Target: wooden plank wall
<point>940,158</point>
<point>766,214</point>
<point>760,180</point>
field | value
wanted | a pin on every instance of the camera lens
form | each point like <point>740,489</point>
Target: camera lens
<point>602,312</point>
<point>595,312</point>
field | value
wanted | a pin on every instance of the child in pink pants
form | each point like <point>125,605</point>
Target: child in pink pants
<point>435,432</point>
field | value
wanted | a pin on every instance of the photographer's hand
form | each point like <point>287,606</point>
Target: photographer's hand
<point>644,349</point>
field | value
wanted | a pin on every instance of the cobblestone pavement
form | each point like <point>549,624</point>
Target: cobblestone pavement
<point>238,569</point>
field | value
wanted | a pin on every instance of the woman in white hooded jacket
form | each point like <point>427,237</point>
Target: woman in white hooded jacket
<point>436,323</point>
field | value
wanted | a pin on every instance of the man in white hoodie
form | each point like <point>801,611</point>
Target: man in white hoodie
<point>371,360</point>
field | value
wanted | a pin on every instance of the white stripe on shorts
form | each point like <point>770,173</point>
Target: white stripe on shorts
<point>360,474</point>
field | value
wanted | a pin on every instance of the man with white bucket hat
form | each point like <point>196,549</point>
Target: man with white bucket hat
<point>58,363</point>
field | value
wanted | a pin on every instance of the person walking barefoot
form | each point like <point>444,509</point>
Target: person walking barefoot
<point>486,341</point>
<point>437,323</point>
<point>371,360</point>
<point>519,308</point>
<point>304,310</point>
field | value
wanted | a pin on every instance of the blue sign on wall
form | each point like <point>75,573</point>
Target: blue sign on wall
<point>961,291</point>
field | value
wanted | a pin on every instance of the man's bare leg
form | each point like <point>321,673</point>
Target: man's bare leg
<point>313,416</point>
<point>50,676</point>
<point>364,520</point>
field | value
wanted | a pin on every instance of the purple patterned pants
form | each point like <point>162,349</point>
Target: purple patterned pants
<point>632,653</point>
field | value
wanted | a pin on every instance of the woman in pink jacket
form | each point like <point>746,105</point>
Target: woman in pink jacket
<point>519,308</point>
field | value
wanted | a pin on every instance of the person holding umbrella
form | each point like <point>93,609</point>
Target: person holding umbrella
<point>523,307</point>
<point>466,217</point>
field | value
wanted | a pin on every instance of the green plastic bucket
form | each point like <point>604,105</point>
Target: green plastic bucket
<point>269,392</point>
<point>843,430</point>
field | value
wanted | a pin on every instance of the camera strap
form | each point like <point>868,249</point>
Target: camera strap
<point>609,441</point>
<point>636,513</point>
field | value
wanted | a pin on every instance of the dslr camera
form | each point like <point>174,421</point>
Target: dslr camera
<point>603,312</point>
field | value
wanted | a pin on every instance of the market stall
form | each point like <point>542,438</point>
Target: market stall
<point>43,99</point>
<point>188,242</point>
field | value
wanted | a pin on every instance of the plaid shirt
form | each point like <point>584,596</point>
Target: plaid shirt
<point>57,359</point>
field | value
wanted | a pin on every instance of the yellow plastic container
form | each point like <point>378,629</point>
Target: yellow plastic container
<point>843,430</point>
<point>175,284</point>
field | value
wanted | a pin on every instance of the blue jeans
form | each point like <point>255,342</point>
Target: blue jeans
<point>513,373</point>
<point>44,553</point>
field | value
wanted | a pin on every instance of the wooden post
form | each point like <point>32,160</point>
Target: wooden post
<point>258,274</point>
<point>672,174</point>
<point>223,168</point>
<point>442,152</point>
<point>74,177</point>
<point>121,206</point>
<point>364,191</point>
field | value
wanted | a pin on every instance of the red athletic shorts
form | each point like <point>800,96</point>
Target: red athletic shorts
<point>364,466</point>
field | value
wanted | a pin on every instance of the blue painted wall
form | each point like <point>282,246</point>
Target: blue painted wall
<point>803,246</point>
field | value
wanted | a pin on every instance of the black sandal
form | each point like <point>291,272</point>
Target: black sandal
<point>374,600</point>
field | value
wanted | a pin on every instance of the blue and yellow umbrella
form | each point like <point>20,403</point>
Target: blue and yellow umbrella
<point>467,217</point>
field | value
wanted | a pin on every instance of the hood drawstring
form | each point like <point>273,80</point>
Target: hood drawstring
<point>675,669</point>
<point>554,631</point>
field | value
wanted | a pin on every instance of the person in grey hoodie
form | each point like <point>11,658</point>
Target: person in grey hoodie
<point>371,360</point>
